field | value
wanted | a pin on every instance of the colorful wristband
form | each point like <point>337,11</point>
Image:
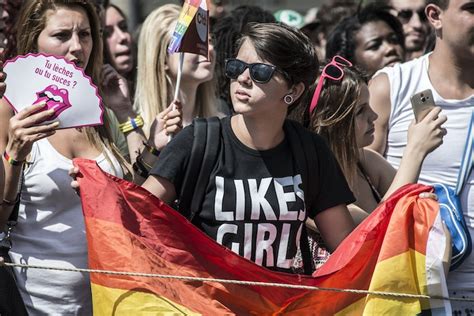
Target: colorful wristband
<point>12,161</point>
<point>131,124</point>
<point>152,150</point>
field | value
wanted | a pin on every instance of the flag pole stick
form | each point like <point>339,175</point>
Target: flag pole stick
<point>178,79</point>
<point>178,84</point>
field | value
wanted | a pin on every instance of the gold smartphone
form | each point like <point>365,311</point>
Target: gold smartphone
<point>422,103</point>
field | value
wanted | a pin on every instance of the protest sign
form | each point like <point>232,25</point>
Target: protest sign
<point>62,85</point>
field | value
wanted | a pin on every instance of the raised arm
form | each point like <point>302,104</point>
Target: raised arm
<point>17,135</point>
<point>117,98</point>
<point>423,138</point>
<point>379,88</point>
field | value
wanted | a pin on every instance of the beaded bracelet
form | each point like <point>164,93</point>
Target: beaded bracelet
<point>152,150</point>
<point>131,124</point>
<point>12,161</point>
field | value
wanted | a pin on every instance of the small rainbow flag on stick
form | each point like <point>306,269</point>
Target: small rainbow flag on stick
<point>398,249</point>
<point>191,34</point>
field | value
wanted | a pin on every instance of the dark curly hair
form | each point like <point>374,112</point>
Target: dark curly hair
<point>333,12</point>
<point>342,40</point>
<point>443,4</point>
<point>13,8</point>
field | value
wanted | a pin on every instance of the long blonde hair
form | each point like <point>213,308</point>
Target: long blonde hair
<point>31,22</point>
<point>154,89</point>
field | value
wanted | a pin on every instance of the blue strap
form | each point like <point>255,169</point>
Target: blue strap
<point>468,159</point>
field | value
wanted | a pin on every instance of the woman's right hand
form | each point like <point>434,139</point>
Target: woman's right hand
<point>427,135</point>
<point>23,130</point>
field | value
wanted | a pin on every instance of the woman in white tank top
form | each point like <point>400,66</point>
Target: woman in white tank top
<point>50,229</point>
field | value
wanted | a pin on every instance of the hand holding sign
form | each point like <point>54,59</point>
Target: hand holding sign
<point>62,86</point>
<point>24,129</point>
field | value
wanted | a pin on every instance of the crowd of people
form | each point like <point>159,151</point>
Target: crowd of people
<point>342,82</point>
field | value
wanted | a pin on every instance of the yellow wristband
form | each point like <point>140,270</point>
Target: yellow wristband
<point>131,124</point>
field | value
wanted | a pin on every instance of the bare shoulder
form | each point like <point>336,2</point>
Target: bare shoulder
<point>370,159</point>
<point>379,89</point>
<point>377,168</point>
<point>6,113</point>
<point>380,84</point>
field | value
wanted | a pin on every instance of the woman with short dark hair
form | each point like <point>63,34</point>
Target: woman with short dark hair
<point>226,31</point>
<point>256,203</point>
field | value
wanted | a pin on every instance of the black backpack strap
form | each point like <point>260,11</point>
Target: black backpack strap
<point>213,137</point>
<point>206,144</point>
<point>303,150</point>
<point>194,165</point>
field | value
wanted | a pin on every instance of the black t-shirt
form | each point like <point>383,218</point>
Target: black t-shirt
<point>254,202</point>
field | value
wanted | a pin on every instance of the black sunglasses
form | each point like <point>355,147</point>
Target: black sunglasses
<point>259,72</point>
<point>405,15</point>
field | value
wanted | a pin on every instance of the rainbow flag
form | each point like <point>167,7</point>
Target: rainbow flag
<point>191,34</point>
<point>399,248</point>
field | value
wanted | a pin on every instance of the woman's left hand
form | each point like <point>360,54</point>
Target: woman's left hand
<point>170,121</point>
<point>115,91</point>
<point>427,135</point>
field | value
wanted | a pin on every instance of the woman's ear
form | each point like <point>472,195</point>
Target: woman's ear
<point>434,15</point>
<point>297,90</point>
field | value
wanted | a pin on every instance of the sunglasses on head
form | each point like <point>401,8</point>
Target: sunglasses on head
<point>405,15</point>
<point>333,71</point>
<point>259,72</point>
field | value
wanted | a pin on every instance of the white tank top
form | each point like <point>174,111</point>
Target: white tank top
<point>51,232</point>
<point>442,165</point>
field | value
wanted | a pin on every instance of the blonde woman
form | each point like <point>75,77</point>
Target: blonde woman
<point>157,72</point>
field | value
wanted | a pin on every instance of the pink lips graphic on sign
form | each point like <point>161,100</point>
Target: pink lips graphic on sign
<point>55,98</point>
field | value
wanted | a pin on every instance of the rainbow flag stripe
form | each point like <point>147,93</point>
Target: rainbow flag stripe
<point>191,33</point>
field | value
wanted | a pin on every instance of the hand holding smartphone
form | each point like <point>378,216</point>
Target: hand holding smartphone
<point>422,103</point>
